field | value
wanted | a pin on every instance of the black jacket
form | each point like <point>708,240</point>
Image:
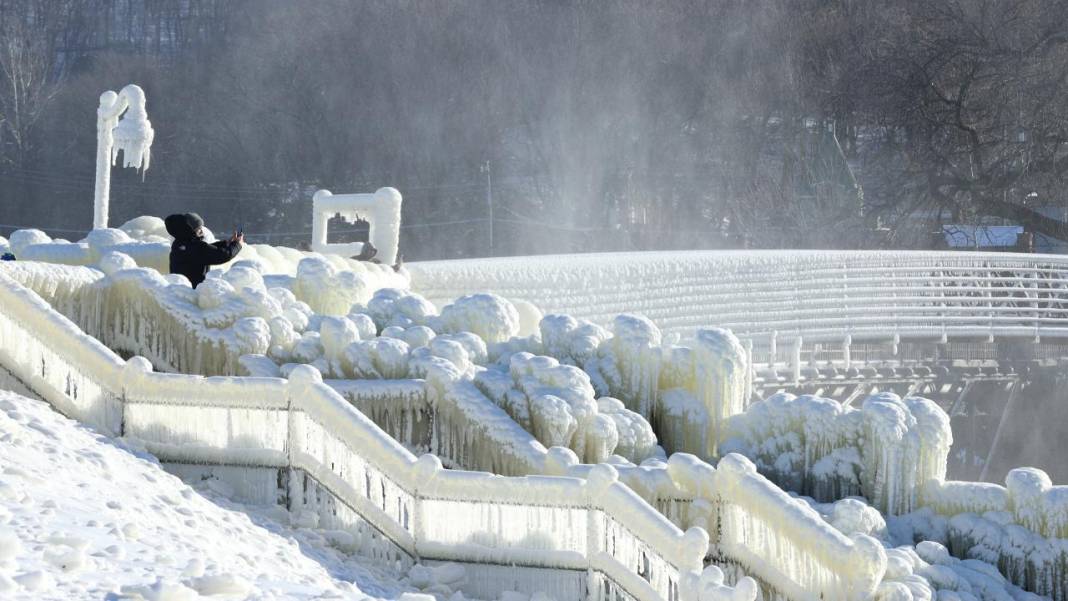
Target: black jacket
<point>192,256</point>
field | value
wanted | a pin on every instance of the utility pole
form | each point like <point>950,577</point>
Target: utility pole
<point>489,203</point>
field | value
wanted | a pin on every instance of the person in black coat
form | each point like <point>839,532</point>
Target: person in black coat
<point>191,256</point>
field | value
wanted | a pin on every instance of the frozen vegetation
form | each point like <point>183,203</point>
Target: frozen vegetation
<point>632,418</point>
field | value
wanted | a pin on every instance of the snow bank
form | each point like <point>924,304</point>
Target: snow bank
<point>82,516</point>
<point>814,446</point>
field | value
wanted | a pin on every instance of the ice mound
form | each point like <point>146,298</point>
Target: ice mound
<point>815,446</point>
<point>147,228</point>
<point>571,341</point>
<point>21,239</point>
<point>558,405</point>
<point>111,262</point>
<point>100,239</point>
<point>328,290</point>
<point>711,585</point>
<point>491,317</point>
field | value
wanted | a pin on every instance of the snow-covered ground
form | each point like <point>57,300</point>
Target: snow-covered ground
<point>83,516</point>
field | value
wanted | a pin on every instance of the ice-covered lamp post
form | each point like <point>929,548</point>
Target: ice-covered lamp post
<point>132,135</point>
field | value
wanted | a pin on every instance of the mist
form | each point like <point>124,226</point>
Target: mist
<point>586,125</point>
<point>549,126</point>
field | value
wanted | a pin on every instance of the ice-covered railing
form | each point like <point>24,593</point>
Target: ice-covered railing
<point>753,524</point>
<point>821,296</point>
<point>597,538</point>
<point>811,563</point>
<point>1029,496</point>
<point>204,331</point>
<point>330,283</point>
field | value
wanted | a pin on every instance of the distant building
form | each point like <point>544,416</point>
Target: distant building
<point>999,238</point>
<point>981,237</point>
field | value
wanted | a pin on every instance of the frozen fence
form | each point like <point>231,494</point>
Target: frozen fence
<point>817,563</point>
<point>816,295</point>
<point>594,536</point>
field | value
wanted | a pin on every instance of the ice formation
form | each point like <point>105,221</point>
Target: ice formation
<point>491,399</point>
<point>489,316</point>
<point>883,451</point>
<point>145,240</point>
<point>557,404</point>
<point>382,210</point>
<point>686,392</point>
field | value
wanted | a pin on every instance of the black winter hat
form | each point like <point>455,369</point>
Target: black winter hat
<point>183,226</point>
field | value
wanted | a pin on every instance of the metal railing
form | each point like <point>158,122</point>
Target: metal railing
<point>816,295</point>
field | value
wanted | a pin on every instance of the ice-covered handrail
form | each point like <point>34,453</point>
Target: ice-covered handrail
<point>606,532</point>
<point>817,295</point>
<point>1029,497</point>
<point>753,512</point>
<point>1021,527</point>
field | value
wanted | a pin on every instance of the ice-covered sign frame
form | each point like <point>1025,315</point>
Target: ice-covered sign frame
<point>381,209</point>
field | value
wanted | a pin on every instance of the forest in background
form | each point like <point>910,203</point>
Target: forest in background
<point>537,126</point>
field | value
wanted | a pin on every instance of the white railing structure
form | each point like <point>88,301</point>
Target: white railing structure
<point>577,533</point>
<point>572,538</point>
<point>832,297</point>
<point>381,209</point>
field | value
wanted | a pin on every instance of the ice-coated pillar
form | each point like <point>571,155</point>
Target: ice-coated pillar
<point>132,135</point>
<point>720,378</point>
<point>385,227</point>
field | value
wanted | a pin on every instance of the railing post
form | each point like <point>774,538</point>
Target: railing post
<point>300,379</point>
<point>427,467</point>
<point>795,359</point>
<point>597,482</point>
<point>750,370</point>
<point>773,349</point>
<point>847,356</point>
<point>136,368</point>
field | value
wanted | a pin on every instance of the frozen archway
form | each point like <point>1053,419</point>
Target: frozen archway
<point>381,209</point>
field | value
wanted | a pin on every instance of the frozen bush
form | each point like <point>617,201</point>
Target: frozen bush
<point>110,262</point>
<point>213,292</point>
<point>489,316</point>
<point>381,358</point>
